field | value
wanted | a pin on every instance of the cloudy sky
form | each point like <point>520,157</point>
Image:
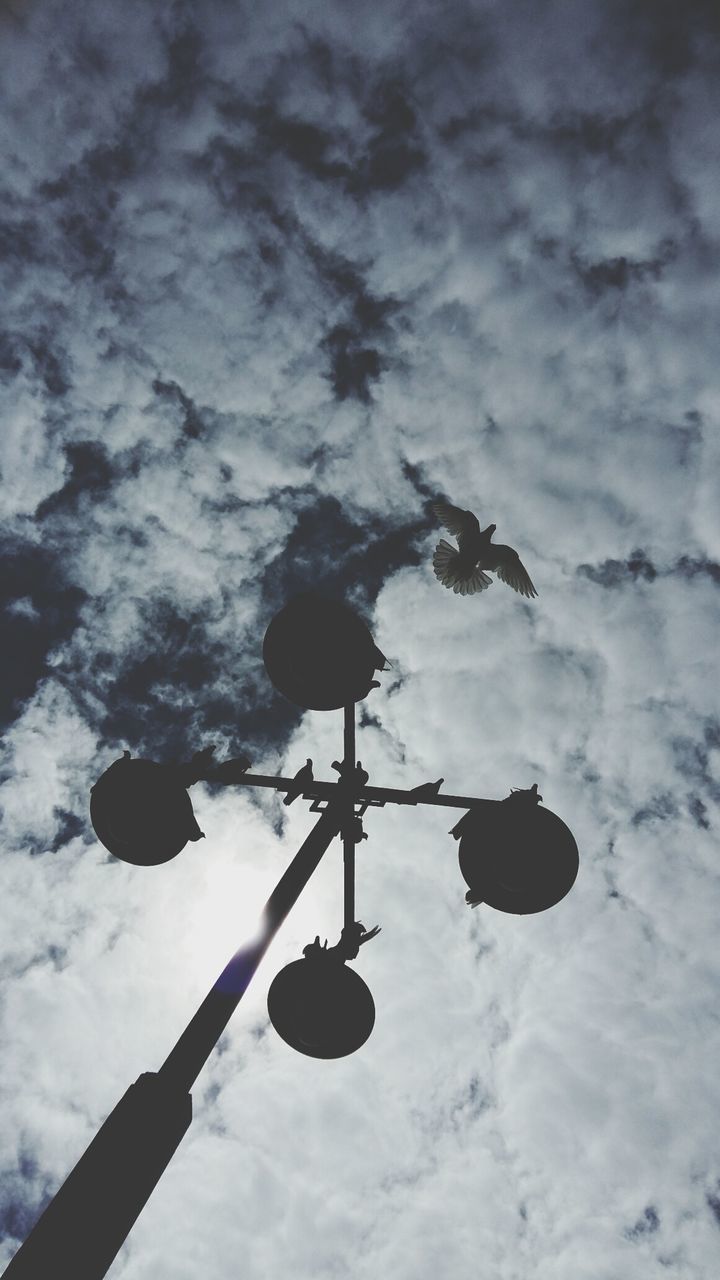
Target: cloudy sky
<point>274,278</point>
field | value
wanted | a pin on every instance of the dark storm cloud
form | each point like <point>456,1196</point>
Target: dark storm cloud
<point>581,132</point>
<point>671,36</point>
<point>613,573</point>
<point>178,687</point>
<point>51,957</point>
<point>81,202</point>
<point>353,367</point>
<point>698,812</point>
<point>24,1194</point>
<point>426,492</point>
<point>690,567</point>
<point>575,135</point>
<point>88,233</point>
<point>91,475</point>
<point>713,1203</point>
<point>659,807</point>
<point>380,156</point>
<point>620,273</point>
<point>638,566</point>
<point>395,151</point>
<point>473,1102</point>
<point>192,425</point>
<point>310,146</point>
<point>94,177</point>
<point>359,346</point>
<point>689,436</point>
<point>333,550</point>
<point>647,1225</point>
<point>69,825</point>
<point>20,242</point>
<point>176,681</point>
<point>693,760</point>
<point>185,74</point>
<point>40,609</point>
<point>162,683</point>
<point>10,354</point>
<point>39,354</point>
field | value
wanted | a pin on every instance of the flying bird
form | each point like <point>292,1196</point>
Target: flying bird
<point>463,567</point>
<point>300,782</point>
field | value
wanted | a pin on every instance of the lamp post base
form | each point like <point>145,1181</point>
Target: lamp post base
<point>85,1224</point>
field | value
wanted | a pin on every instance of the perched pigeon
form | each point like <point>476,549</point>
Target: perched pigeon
<point>230,770</point>
<point>381,662</point>
<point>427,790</point>
<point>360,775</point>
<point>461,826</point>
<point>357,834</point>
<point>351,939</point>
<point>302,779</point>
<point>197,769</point>
<point>462,568</point>
<point>519,796</point>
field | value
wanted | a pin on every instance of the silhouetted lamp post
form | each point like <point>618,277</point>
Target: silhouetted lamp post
<point>514,856</point>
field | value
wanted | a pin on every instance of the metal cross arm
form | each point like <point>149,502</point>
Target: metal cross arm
<point>369,796</point>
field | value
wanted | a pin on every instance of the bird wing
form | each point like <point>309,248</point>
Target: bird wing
<point>449,570</point>
<point>462,524</point>
<point>510,568</point>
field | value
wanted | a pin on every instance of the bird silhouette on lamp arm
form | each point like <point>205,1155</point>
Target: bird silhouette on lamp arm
<point>358,773</point>
<point>464,567</point>
<point>302,779</point>
<point>427,789</point>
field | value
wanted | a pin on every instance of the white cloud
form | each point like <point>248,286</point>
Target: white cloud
<point>538,296</point>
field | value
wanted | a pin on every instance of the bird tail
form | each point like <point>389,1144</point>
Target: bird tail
<point>463,581</point>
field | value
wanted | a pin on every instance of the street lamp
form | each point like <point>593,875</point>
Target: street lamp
<point>514,855</point>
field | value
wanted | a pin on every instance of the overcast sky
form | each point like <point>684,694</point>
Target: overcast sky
<point>274,278</point>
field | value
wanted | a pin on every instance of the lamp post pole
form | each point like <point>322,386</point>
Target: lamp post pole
<point>185,1061</point>
<point>89,1218</point>
<point>85,1224</point>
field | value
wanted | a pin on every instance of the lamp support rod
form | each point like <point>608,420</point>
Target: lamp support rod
<point>371,796</point>
<point>347,788</point>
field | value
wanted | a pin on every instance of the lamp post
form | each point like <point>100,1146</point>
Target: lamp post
<point>514,856</point>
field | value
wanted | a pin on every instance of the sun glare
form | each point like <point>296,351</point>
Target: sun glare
<point>227,914</point>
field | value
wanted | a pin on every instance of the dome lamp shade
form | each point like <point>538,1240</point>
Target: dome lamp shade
<point>320,654</point>
<point>320,1007</point>
<point>516,857</point>
<point>141,812</point>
